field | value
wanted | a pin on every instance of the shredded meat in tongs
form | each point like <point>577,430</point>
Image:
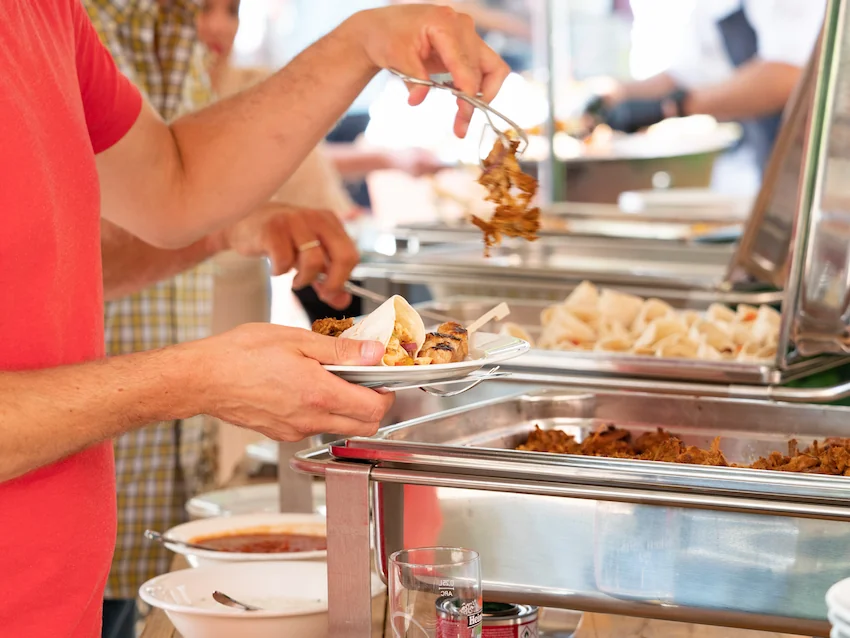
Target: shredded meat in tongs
<point>512,191</point>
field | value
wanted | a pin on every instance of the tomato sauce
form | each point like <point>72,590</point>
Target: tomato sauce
<point>263,543</point>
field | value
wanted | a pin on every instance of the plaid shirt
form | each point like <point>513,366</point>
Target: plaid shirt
<point>159,466</point>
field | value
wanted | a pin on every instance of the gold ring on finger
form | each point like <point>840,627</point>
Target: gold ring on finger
<point>310,245</point>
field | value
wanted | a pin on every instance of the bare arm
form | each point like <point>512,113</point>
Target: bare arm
<point>131,265</point>
<point>47,415</point>
<point>274,230</point>
<point>212,167</point>
<point>172,185</point>
<point>758,88</point>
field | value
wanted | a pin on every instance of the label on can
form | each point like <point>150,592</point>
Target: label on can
<point>496,620</point>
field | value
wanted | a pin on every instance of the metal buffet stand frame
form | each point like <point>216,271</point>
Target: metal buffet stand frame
<point>733,547</point>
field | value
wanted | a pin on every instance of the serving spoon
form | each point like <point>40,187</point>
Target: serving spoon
<point>156,537</point>
<point>227,601</point>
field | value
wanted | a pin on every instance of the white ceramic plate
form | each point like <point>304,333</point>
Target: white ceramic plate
<point>311,524</point>
<point>293,595</point>
<point>485,349</point>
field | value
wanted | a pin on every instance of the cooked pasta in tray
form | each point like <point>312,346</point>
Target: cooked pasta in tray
<point>604,320</point>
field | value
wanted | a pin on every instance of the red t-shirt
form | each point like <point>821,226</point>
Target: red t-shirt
<point>62,100</point>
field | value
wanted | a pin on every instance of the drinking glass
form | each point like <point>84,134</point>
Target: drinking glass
<point>435,592</point>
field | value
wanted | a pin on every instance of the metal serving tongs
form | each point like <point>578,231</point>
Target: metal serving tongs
<point>477,102</point>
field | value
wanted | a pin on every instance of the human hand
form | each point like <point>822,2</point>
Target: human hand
<point>270,379</point>
<point>631,116</point>
<point>421,40</point>
<point>313,241</point>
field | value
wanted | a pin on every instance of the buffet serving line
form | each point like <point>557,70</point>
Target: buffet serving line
<point>651,431</point>
<point>673,461</point>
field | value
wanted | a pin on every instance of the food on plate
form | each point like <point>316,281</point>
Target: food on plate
<point>590,319</point>
<point>398,326</point>
<point>332,327</point>
<point>449,344</point>
<point>261,542</point>
<point>830,457</point>
<point>511,191</point>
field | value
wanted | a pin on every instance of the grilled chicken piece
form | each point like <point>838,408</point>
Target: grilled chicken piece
<point>454,329</point>
<point>332,327</point>
<point>442,348</point>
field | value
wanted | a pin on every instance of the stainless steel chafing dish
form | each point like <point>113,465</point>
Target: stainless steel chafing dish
<point>734,547</point>
<point>549,267</point>
<point>539,363</point>
<point>577,219</point>
<point>800,245</point>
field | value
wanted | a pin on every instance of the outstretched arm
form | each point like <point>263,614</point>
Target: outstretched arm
<point>171,185</point>
<point>260,376</point>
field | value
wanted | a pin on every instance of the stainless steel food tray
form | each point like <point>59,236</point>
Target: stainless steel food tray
<point>586,219</point>
<point>527,314</point>
<point>555,263</point>
<point>733,547</point>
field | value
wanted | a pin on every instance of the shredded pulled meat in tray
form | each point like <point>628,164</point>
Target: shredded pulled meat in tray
<point>332,327</point>
<point>512,191</point>
<point>830,457</point>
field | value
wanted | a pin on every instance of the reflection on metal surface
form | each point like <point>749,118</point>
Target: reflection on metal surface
<point>739,548</point>
<point>559,262</point>
<point>819,280</point>
<point>481,438</point>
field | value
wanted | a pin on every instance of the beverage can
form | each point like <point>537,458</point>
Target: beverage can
<point>495,620</point>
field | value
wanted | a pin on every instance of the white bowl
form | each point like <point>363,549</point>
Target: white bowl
<point>311,524</point>
<point>293,595</point>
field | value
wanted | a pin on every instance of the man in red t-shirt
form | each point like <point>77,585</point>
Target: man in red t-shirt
<point>77,141</point>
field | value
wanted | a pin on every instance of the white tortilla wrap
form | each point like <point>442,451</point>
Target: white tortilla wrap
<point>381,325</point>
<point>766,326</point>
<point>651,310</point>
<point>619,305</point>
<point>719,312</point>
<point>677,346</point>
<point>713,334</point>
<point>565,329</point>
<point>585,294</point>
<point>658,330</point>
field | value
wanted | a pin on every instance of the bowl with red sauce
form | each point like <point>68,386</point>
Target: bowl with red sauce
<point>255,537</point>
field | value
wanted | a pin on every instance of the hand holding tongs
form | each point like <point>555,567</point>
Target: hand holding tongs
<point>475,101</point>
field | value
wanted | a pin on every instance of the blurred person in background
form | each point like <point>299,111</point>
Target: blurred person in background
<point>737,60</point>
